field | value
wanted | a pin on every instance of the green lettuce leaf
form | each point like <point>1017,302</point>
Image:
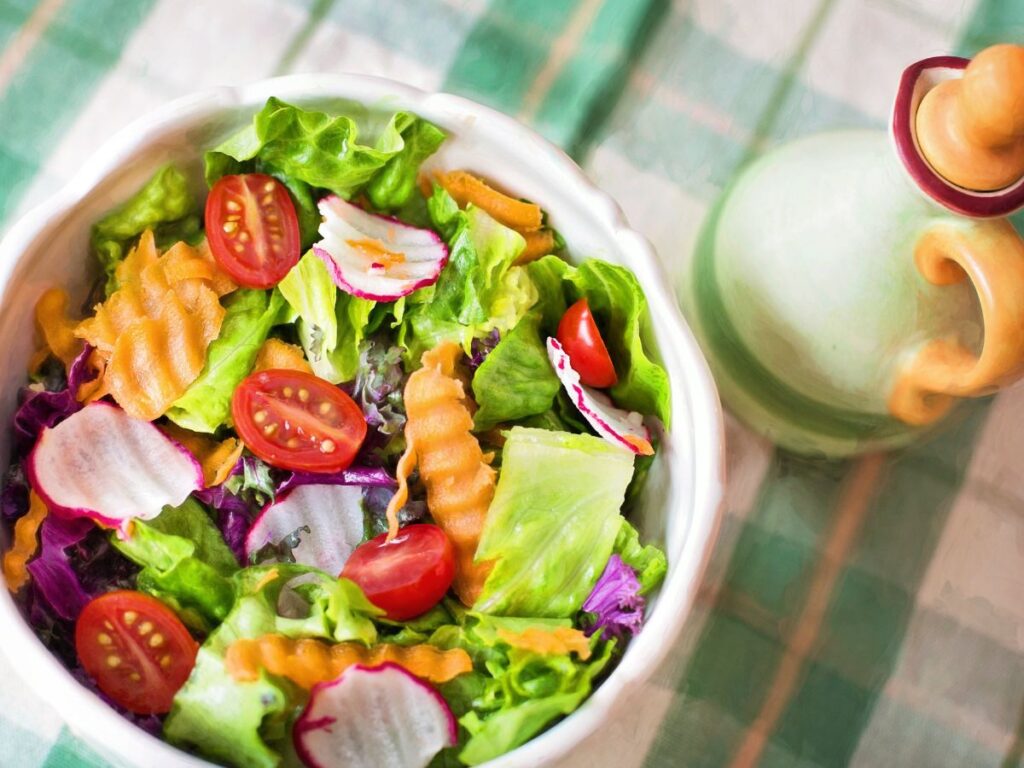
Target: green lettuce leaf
<point>479,289</point>
<point>332,324</point>
<point>617,301</point>
<point>164,205</point>
<point>648,561</point>
<point>246,724</point>
<point>314,148</point>
<point>394,184</point>
<point>185,563</point>
<point>553,522</point>
<point>206,404</point>
<point>516,379</point>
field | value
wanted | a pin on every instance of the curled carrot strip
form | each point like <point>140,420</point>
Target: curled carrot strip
<point>25,543</point>
<point>549,641</point>
<point>154,330</point>
<point>280,354</point>
<point>406,464</point>
<point>465,189</point>
<point>216,458</point>
<point>307,662</point>
<point>57,329</point>
<point>537,244</point>
<point>459,483</point>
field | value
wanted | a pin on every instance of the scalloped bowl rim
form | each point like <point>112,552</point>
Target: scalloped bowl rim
<point>87,716</point>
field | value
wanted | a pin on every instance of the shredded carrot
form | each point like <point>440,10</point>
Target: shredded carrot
<point>280,354</point>
<point>538,244</point>
<point>25,543</point>
<point>154,330</point>
<point>216,458</point>
<point>57,329</point>
<point>546,642</point>
<point>307,662</point>
<point>406,465</point>
<point>459,483</point>
<point>465,189</point>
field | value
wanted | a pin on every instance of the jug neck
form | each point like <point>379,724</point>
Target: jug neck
<point>933,150</point>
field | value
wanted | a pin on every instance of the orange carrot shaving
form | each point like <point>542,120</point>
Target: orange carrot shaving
<point>280,354</point>
<point>537,244</point>
<point>406,464</point>
<point>307,662</point>
<point>216,458</point>
<point>459,483</point>
<point>465,189</point>
<point>155,328</point>
<point>25,543</point>
<point>546,642</point>
<point>57,329</point>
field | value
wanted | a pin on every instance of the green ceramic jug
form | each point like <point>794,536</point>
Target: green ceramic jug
<point>851,286</point>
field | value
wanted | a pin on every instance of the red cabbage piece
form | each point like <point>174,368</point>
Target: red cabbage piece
<point>234,517</point>
<point>481,348</point>
<point>615,602</point>
<point>41,408</point>
<point>51,571</point>
<point>14,497</point>
<point>371,476</point>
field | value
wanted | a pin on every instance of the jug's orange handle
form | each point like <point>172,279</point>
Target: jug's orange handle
<point>991,254</point>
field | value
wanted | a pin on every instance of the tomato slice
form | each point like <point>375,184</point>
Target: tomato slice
<point>406,576</point>
<point>252,229</point>
<point>136,649</point>
<point>294,420</point>
<point>582,341</point>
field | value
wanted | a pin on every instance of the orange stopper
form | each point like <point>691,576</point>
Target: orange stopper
<point>971,129</point>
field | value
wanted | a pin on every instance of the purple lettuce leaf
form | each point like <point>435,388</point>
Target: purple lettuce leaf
<point>367,476</point>
<point>44,408</point>
<point>375,504</point>
<point>378,386</point>
<point>481,348</point>
<point>615,604</point>
<point>52,574</point>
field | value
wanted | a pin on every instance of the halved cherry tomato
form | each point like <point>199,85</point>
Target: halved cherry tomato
<point>252,229</point>
<point>294,420</point>
<point>406,576</point>
<point>136,649</point>
<point>582,341</point>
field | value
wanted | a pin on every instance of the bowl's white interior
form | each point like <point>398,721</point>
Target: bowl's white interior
<point>680,506</point>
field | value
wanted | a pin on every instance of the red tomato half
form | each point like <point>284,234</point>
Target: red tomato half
<point>406,576</point>
<point>578,334</point>
<point>294,420</point>
<point>252,229</point>
<point>136,649</point>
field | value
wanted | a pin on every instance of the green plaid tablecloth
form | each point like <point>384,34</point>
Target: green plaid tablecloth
<point>868,612</point>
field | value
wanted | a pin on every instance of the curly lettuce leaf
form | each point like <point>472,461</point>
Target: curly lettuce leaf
<point>246,724</point>
<point>185,562</point>
<point>163,205</point>
<point>515,380</point>
<point>479,290</point>
<point>648,561</point>
<point>392,187</point>
<point>618,302</point>
<point>553,522</point>
<point>316,149</point>
<point>206,404</point>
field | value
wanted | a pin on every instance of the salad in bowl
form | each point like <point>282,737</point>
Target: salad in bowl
<point>336,464</point>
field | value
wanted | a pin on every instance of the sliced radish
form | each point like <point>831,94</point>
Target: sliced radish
<point>624,428</point>
<point>376,257</point>
<point>333,514</point>
<point>103,464</point>
<point>373,717</point>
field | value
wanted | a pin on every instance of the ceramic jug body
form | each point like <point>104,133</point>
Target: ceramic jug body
<point>808,298</point>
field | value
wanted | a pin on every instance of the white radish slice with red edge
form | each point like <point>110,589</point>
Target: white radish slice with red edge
<point>332,513</point>
<point>103,464</point>
<point>371,717</point>
<point>376,257</point>
<point>618,426</point>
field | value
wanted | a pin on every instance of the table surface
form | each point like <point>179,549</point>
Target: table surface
<point>864,612</point>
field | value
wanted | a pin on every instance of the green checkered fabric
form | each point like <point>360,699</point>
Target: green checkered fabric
<point>866,612</point>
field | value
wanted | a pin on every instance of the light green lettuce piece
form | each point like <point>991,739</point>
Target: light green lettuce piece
<point>246,723</point>
<point>553,521</point>
<point>314,148</point>
<point>395,183</point>
<point>648,561</point>
<point>206,404</point>
<point>620,307</point>
<point>516,379</point>
<point>163,205</point>
<point>332,324</point>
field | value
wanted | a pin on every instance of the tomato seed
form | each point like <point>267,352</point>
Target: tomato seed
<point>287,391</point>
<point>156,640</point>
<point>259,417</point>
<point>327,446</point>
<point>103,638</point>
<point>304,395</point>
<point>268,187</point>
<point>165,661</point>
<point>230,226</point>
<point>325,408</point>
<point>270,429</point>
<point>145,628</point>
<point>113,661</point>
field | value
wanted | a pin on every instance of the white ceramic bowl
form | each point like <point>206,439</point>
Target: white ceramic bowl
<point>680,511</point>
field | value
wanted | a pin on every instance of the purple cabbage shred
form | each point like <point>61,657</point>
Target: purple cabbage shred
<point>615,602</point>
<point>56,581</point>
<point>481,348</point>
<point>41,408</point>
